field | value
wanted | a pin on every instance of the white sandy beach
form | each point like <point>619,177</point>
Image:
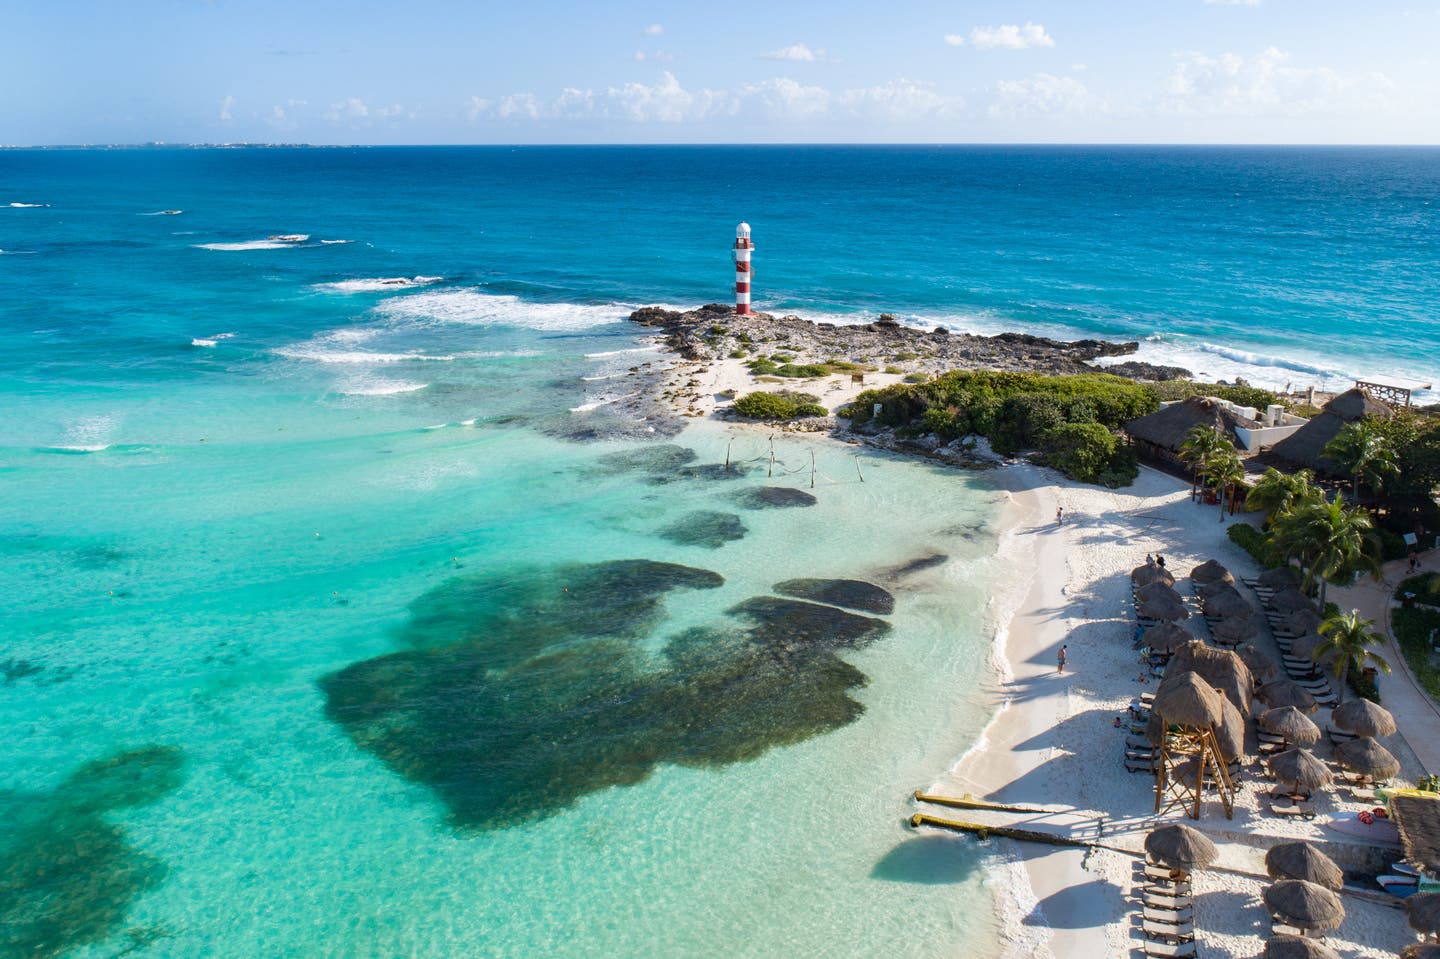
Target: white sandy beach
<point>1052,742</point>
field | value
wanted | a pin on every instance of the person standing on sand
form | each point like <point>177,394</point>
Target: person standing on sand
<point>1060,660</point>
<point>1059,516</point>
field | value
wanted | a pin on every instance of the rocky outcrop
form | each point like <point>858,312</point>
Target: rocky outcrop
<point>714,331</point>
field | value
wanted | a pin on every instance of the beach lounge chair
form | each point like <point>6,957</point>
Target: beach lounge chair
<point>1155,899</point>
<point>1139,766</point>
<point>1292,810</point>
<point>1338,735</point>
<point>1361,794</point>
<point>1158,873</point>
<point>1170,950</point>
<point>1173,917</point>
<point>1165,932</point>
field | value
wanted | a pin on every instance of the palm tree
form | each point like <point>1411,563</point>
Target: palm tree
<point>1276,493</point>
<point>1202,444</point>
<point>1365,452</point>
<point>1332,541</point>
<point>1225,472</point>
<point>1349,637</point>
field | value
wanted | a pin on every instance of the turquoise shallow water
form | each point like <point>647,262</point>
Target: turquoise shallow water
<point>291,660</point>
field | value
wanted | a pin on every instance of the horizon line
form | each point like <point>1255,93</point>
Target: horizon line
<point>281,144</point>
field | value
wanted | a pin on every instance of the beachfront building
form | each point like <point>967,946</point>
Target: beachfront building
<point>1160,435</point>
<point>1305,449</point>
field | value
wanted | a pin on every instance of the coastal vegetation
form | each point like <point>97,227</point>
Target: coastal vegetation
<point>1416,628</point>
<point>1346,641</point>
<point>1072,420</point>
<point>779,406</point>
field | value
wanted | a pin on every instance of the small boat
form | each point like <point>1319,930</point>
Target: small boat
<point>1400,886</point>
<point>289,238</point>
<point>171,212</point>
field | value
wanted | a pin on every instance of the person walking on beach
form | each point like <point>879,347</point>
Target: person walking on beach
<point>1060,660</point>
<point>1059,516</point>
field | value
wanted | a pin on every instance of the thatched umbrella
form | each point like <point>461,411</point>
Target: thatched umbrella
<point>1364,718</point>
<point>1230,734</point>
<point>1219,668</point>
<point>1156,590</point>
<point>1163,608</point>
<point>1235,630</point>
<point>1304,905</point>
<point>1211,571</point>
<point>1149,573</point>
<point>1210,589</point>
<point>1421,950</point>
<point>1187,700</point>
<point>1285,692</point>
<point>1304,647</point>
<point>1302,860</point>
<point>1300,622</point>
<point>1368,758</point>
<point>1228,604</point>
<point>1283,577</point>
<point>1261,666</point>
<point>1180,847</point>
<point>1301,769</point>
<point>1167,637</point>
<point>1297,947</point>
<point>1290,600</point>
<point>1423,910</point>
<point>1290,724</point>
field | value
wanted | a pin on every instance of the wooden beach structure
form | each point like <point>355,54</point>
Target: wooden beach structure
<point>1305,449</point>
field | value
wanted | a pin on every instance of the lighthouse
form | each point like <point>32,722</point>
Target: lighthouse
<point>742,249</point>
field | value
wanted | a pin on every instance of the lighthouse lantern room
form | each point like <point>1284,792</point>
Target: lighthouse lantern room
<point>743,272</point>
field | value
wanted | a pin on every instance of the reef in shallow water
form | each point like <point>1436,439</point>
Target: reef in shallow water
<point>775,497</point>
<point>513,712</point>
<point>67,876</point>
<point>850,593</point>
<point>704,527</point>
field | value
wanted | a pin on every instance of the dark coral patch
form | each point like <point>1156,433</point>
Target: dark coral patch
<point>918,565</point>
<point>663,458</point>
<point>850,593</point>
<point>705,528</point>
<point>67,876</point>
<point>775,497</point>
<point>503,737</point>
<point>790,625</point>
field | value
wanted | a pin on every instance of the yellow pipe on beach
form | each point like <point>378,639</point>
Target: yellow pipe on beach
<point>981,831</point>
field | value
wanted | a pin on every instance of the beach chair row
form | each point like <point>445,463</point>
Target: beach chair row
<point>1167,913</point>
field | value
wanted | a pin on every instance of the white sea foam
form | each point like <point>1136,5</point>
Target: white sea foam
<point>88,434</point>
<point>377,386</point>
<point>28,206</point>
<point>376,284</point>
<point>472,307</point>
<point>200,341</point>
<point>638,349</point>
<point>319,354</point>
<point>470,422</point>
<point>210,341</point>
<point>164,213</point>
<point>334,242</point>
<point>603,401</point>
<point>81,448</point>
<point>247,245</point>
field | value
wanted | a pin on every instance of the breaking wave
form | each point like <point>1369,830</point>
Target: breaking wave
<point>472,307</point>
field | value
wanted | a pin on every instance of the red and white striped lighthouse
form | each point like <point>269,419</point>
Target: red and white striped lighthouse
<point>743,246</point>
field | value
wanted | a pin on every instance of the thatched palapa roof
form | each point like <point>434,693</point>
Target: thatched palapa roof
<point>1364,718</point>
<point>1421,950</point>
<point>1228,603</point>
<point>1301,768</point>
<point>1290,601</point>
<point>1281,577</point>
<point>1167,637</point>
<point>1286,692</point>
<point>1417,816</point>
<point>1169,427</point>
<point>1304,905</point>
<point>1211,571</point>
<point>1235,630</point>
<point>1290,723</point>
<point>1219,668</point>
<point>1180,847</point>
<point>1163,608</point>
<point>1303,860</point>
<point>1151,573</point>
<point>1297,947</point>
<point>1423,911</point>
<point>1368,758</point>
<point>1261,666</point>
<point>1304,448</point>
<point>1187,700</point>
<point>1157,590</point>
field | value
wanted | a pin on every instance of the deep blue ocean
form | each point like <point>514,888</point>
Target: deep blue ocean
<point>329,627</point>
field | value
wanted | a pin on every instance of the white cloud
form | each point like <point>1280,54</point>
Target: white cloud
<point>666,101</point>
<point>654,30</point>
<point>1011,37</point>
<point>954,40</point>
<point>226,105</point>
<point>1265,84</point>
<point>901,101</point>
<point>784,99</point>
<point>351,108</point>
<point>1043,93</point>
<point>476,108</point>
<point>522,105</point>
<point>796,52</point>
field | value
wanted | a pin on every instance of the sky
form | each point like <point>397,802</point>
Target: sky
<point>719,71</point>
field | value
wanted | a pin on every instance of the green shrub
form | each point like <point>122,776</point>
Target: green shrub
<point>1083,451</point>
<point>1426,588</point>
<point>1363,686</point>
<point>1252,541</point>
<point>781,358</point>
<point>762,367</point>
<point>1239,395</point>
<point>1413,626</point>
<point>1392,545</point>
<point>893,369</point>
<point>738,353</point>
<point>803,372</point>
<point>904,355</point>
<point>917,377</point>
<point>942,422</point>
<point>779,406</point>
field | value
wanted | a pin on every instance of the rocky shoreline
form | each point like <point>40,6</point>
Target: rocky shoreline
<point>714,331</point>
